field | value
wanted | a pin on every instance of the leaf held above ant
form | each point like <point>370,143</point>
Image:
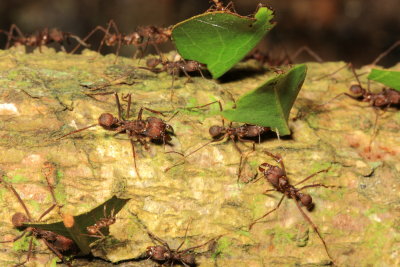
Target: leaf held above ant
<point>389,78</point>
<point>220,39</point>
<point>109,208</point>
<point>269,105</point>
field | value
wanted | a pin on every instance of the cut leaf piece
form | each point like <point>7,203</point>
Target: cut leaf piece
<point>220,39</point>
<point>389,78</point>
<point>78,231</point>
<point>269,105</point>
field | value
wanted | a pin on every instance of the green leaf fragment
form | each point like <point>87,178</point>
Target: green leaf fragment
<point>269,105</point>
<point>78,232</point>
<point>389,78</point>
<point>220,39</point>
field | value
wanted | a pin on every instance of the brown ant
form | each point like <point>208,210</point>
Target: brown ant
<point>139,130</point>
<point>165,255</point>
<point>104,222</point>
<point>382,100</point>
<point>243,133</point>
<point>41,38</point>
<point>276,176</point>
<point>144,36</point>
<point>217,5</point>
<point>58,244</point>
<point>175,67</point>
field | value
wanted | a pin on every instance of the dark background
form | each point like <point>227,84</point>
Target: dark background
<point>350,30</point>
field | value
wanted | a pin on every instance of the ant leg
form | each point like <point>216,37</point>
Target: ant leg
<point>318,185</point>
<point>13,28</point>
<point>118,106</point>
<point>77,131</point>
<point>79,40</point>
<point>336,97</point>
<point>312,175</point>
<point>313,226</point>
<point>55,251</point>
<point>29,253</point>
<point>49,173</point>
<point>355,75</point>
<point>184,239</point>
<point>308,51</point>
<point>332,73</point>
<point>385,53</point>
<point>10,187</point>
<point>156,238</point>
<point>97,28</point>
<point>47,211</point>
<point>375,130</point>
<point>15,238</point>
<point>114,25</point>
<point>128,108</point>
<point>134,158</point>
<point>148,109</point>
<point>191,153</point>
<point>266,214</point>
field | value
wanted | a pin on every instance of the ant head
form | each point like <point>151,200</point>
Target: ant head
<point>306,200</point>
<point>192,65</point>
<point>356,89</point>
<point>159,253</point>
<point>107,120</point>
<point>18,219</point>
<point>216,130</point>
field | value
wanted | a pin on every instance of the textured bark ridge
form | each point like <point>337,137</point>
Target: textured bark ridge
<point>42,97</point>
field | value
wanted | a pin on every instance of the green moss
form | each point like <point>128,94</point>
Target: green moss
<point>19,178</point>
<point>375,209</point>
<point>22,244</point>
<point>282,235</point>
<point>222,250</point>
<point>243,233</point>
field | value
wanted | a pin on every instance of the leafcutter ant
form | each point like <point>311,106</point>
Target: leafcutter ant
<point>144,36</point>
<point>243,133</point>
<point>165,255</point>
<point>383,100</point>
<point>58,244</point>
<point>217,5</point>
<point>41,38</point>
<point>139,130</point>
<point>276,176</point>
<point>104,222</point>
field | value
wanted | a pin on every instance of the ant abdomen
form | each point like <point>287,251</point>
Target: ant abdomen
<point>18,219</point>
<point>107,120</point>
<point>216,130</point>
<point>188,259</point>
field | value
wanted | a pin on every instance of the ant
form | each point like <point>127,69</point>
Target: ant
<point>58,244</point>
<point>153,35</point>
<point>217,5</point>
<point>38,39</point>
<point>101,223</point>
<point>139,130</point>
<point>175,67</point>
<point>243,133</point>
<point>276,176</point>
<point>164,254</point>
<point>382,100</point>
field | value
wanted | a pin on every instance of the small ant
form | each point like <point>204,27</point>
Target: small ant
<point>165,255</point>
<point>240,133</point>
<point>41,38</point>
<point>153,35</point>
<point>219,6</point>
<point>104,222</point>
<point>175,67</point>
<point>58,244</point>
<point>276,176</point>
<point>139,130</point>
